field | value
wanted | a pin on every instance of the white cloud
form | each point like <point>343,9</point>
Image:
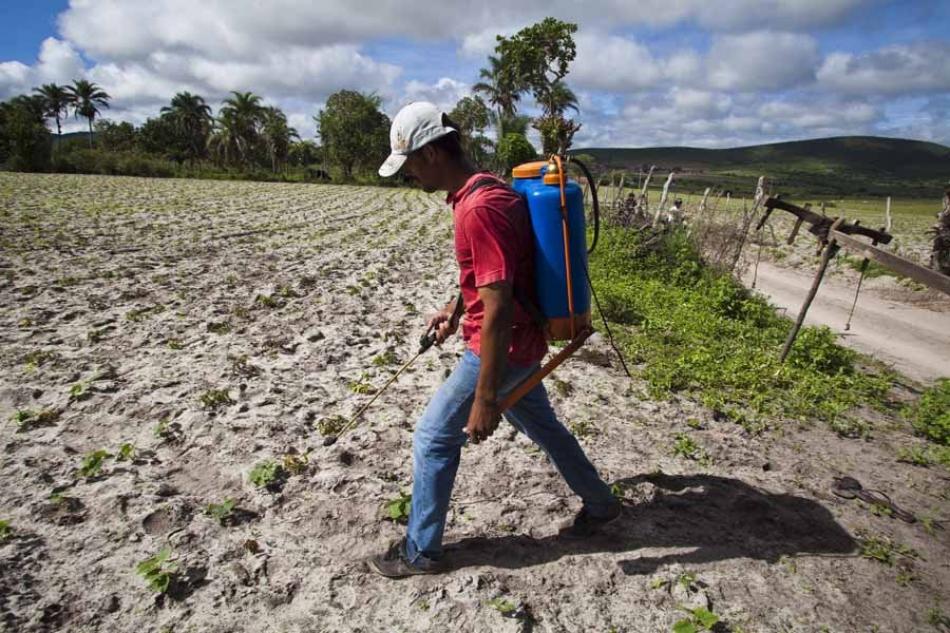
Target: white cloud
<point>762,60</point>
<point>58,62</point>
<point>445,93</point>
<point>609,62</point>
<point>921,67</point>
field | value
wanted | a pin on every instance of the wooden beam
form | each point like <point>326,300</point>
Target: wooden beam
<point>819,223</point>
<point>926,276</point>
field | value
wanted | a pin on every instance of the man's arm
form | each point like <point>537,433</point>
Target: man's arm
<point>496,337</point>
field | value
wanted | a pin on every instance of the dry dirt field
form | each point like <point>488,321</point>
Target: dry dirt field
<point>193,330</point>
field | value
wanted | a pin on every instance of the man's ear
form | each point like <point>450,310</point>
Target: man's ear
<point>430,154</point>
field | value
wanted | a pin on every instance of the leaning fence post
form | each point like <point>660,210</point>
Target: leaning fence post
<point>662,205</point>
<point>830,249</point>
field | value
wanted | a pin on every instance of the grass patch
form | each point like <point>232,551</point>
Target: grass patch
<point>930,415</point>
<point>693,330</point>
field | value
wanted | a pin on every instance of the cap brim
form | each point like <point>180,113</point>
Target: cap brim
<point>391,165</point>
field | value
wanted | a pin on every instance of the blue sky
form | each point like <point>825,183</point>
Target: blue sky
<point>670,72</point>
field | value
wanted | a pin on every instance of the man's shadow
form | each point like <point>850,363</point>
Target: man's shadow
<point>719,517</point>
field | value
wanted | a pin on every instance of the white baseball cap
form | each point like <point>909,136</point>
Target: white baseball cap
<point>415,125</point>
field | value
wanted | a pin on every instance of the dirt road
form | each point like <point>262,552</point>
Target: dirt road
<point>912,338</point>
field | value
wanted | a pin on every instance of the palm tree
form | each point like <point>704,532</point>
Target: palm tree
<point>500,91</point>
<point>85,96</point>
<point>559,98</point>
<point>277,134</point>
<point>239,124</point>
<point>55,103</point>
<point>191,117</point>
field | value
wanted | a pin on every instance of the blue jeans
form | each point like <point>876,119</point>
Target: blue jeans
<point>437,447</point>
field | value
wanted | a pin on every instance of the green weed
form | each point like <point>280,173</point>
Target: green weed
<point>502,605</point>
<point>126,452</point>
<point>398,509</point>
<point>883,549</point>
<point>266,474</point>
<point>267,301</point>
<point>685,446</point>
<point>156,571</point>
<point>215,398</point>
<point>583,428</point>
<point>141,314</point>
<point>5,530</point>
<point>332,425</point>
<point>221,327</point>
<point>699,619</point>
<point>362,386</point>
<point>930,415</point>
<point>79,391</point>
<point>386,358</point>
<point>698,332</point>
<point>220,511</point>
<point>92,463</point>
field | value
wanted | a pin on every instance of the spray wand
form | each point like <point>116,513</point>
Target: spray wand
<point>426,341</point>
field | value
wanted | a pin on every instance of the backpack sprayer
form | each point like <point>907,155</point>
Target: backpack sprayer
<point>562,281</point>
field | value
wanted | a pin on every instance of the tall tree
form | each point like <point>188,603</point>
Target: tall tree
<point>472,117</point>
<point>86,98</point>
<point>537,57</point>
<point>24,139</point>
<point>353,130</point>
<point>239,122</point>
<point>55,103</point>
<point>192,121</point>
<point>277,136</point>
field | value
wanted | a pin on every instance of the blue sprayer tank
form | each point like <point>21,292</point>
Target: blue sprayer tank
<point>539,183</point>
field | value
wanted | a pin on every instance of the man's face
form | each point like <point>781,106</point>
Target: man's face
<point>421,167</point>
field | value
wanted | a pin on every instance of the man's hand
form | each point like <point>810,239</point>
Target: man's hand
<point>445,322</point>
<point>482,420</point>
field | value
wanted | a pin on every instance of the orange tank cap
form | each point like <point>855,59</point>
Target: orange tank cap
<point>529,170</point>
<point>552,179</point>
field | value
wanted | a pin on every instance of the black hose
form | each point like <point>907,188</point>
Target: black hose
<point>596,202</point>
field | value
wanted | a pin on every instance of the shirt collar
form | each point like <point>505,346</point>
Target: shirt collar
<point>454,197</point>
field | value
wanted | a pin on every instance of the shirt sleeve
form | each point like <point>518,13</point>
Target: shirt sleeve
<point>491,237</point>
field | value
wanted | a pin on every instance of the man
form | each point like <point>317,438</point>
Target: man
<point>494,247</point>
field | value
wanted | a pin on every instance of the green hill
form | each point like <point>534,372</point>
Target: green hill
<point>856,165</point>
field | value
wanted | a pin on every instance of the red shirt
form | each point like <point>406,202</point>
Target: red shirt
<point>494,242</point>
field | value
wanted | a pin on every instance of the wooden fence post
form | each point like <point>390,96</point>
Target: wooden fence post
<point>662,205</point>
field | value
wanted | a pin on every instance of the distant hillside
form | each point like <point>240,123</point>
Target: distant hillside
<point>867,165</point>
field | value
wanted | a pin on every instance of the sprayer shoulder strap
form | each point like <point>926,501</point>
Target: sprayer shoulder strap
<point>518,292</point>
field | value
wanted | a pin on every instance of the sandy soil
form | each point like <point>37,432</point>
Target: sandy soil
<point>910,333</point>
<point>149,293</point>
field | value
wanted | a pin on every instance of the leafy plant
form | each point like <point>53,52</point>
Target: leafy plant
<point>214,398</point>
<point>267,301</point>
<point>930,415</point>
<point>362,386</point>
<point>92,463</point>
<point>502,605</point>
<point>331,425</point>
<point>699,619</point>
<point>265,474</point>
<point>156,571</point>
<point>885,550</point>
<point>220,511</point>
<point>175,344</point>
<point>916,455</point>
<point>295,463</point>
<point>398,509</point>
<point>5,530</point>
<point>221,327</point>
<point>79,391</point>
<point>126,452</point>
<point>697,332</point>
<point>22,418</point>
<point>386,358</point>
<point>685,446</point>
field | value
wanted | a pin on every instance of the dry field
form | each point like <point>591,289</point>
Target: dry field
<point>194,331</point>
